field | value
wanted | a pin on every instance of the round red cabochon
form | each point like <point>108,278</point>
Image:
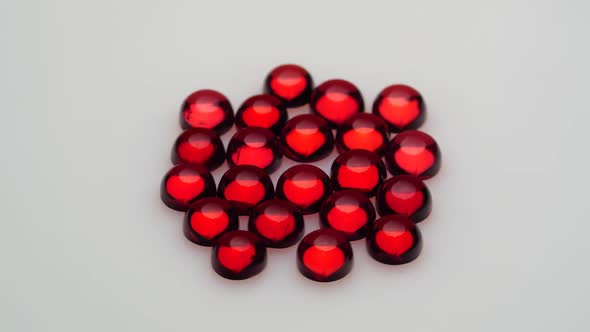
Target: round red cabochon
<point>336,101</point>
<point>208,219</point>
<point>307,138</point>
<point>306,186</point>
<point>292,84</point>
<point>199,146</point>
<point>413,152</point>
<point>238,255</point>
<point>245,186</point>
<point>363,131</point>
<point>404,195</point>
<point>185,184</point>
<point>401,106</point>
<point>324,255</point>
<point>254,146</point>
<point>263,111</point>
<point>207,109</point>
<point>277,222</point>
<point>394,240</point>
<point>348,211</point>
<point>358,169</point>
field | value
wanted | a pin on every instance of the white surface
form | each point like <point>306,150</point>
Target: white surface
<point>90,95</point>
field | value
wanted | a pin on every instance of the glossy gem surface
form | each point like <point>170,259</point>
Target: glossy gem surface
<point>401,106</point>
<point>413,152</point>
<point>245,186</point>
<point>306,186</point>
<point>336,101</point>
<point>199,146</point>
<point>207,109</point>
<point>185,184</point>
<point>358,169</point>
<point>277,222</point>
<point>394,240</point>
<point>292,84</point>
<point>363,131</point>
<point>209,218</point>
<point>238,255</point>
<point>263,111</point>
<point>254,146</point>
<point>404,195</point>
<point>307,138</point>
<point>348,211</point>
<point>324,255</point>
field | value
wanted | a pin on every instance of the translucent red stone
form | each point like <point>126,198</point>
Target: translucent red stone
<point>207,109</point>
<point>254,146</point>
<point>307,138</point>
<point>363,131</point>
<point>358,169</point>
<point>336,101</point>
<point>199,146</point>
<point>348,211</point>
<point>263,111</point>
<point>413,152</point>
<point>208,219</point>
<point>324,255</point>
<point>404,195</point>
<point>277,222</point>
<point>245,186</point>
<point>292,84</point>
<point>238,255</point>
<point>401,106</point>
<point>306,186</point>
<point>185,184</point>
<point>394,240</point>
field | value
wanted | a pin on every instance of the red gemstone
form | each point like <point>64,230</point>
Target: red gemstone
<point>401,106</point>
<point>254,146</point>
<point>363,131</point>
<point>238,255</point>
<point>307,138</point>
<point>292,84</point>
<point>208,219</point>
<point>413,152</point>
<point>263,111</point>
<point>278,223</point>
<point>336,101</point>
<point>184,184</point>
<point>404,195</point>
<point>199,146</point>
<point>394,240</point>
<point>245,186</point>
<point>324,255</point>
<point>207,109</point>
<point>305,186</point>
<point>348,211</point>
<point>358,169</point>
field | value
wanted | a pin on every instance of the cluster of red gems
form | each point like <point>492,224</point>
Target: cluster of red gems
<point>343,199</point>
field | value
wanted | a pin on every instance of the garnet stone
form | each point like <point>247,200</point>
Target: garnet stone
<point>401,106</point>
<point>358,169</point>
<point>305,186</point>
<point>404,195</point>
<point>245,186</point>
<point>363,131</point>
<point>277,222</point>
<point>292,84</point>
<point>348,211</point>
<point>184,184</point>
<point>413,152</point>
<point>263,111</point>
<point>324,255</point>
<point>207,109</point>
<point>336,101</point>
<point>207,219</point>
<point>238,255</point>
<point>199,146</point>
<point>394,240</point>
<point>254,146</point>
<point>307,138</point>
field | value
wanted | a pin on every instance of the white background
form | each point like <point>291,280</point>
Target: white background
<point>89,103</point>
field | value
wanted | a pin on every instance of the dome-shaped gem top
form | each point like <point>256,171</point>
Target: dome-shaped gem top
<point>394,240</point>
<point>208,219</point>
<point>263,111</point>
<point>292,84</point>
<point>404,195</point>
<point>413,152</point>
<point>199,146</point>
<point>358,169</point>
<point>401,106</point>
<point>207,109</point>
<point>363,131</point>
<point>254,146</point>
<point>185,184</point>
<point>348,211</point>
<point>245,186</point>
<point>324,255</point>
<point>336,101</point>
<point>238,255</point>
<point>307,138</point>
<point>305,186</point>
<point>278,223</point>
